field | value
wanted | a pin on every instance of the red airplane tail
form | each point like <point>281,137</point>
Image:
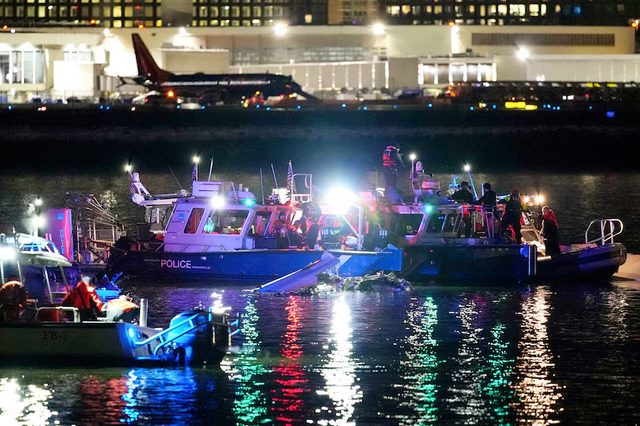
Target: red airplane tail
<point>147,67</point>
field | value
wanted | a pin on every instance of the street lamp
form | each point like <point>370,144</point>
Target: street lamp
<point>413,170</point>
<point>467,169</point>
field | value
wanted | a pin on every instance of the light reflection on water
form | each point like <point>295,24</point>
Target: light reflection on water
<point>537,393</point>
<point>442,356</point>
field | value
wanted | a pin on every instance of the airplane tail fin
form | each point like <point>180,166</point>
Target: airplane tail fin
<point>147,67</point>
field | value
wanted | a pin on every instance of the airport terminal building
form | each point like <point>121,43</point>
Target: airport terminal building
<point>89,62</point>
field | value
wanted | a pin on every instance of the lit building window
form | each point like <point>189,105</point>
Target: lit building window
<point>308,18</point>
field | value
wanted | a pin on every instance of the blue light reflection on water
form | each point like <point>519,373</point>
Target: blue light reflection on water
<point>437,356</point>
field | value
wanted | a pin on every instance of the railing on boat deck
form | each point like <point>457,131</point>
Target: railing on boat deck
<point>163,338</point>
<point>609,228</point>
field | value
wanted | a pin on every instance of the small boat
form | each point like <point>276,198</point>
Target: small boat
<point>56,335</point>
<point>220,232</point>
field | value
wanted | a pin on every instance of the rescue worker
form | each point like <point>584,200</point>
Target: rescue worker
<point>464,196</point>
<point>550,231</point>
<point>84,297</point>
<point>13,300</point>
<point>391,160</point>
<point>121,309</point>
<point>489,198</point>
<point>512,216</point>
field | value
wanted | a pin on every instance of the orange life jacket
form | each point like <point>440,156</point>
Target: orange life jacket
<point>13,297</point>
<point>82,296</point>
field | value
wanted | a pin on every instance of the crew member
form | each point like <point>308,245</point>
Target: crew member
<point>84,297</point>
<point>391,160</point>
<point>13,299</point>
<point>512,216</point>
<point>121,309</point>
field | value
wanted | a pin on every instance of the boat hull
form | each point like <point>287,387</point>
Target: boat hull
<point>500,264</point>
<point>74,342</point>
<point>251,265</point>
<point>597,262</point>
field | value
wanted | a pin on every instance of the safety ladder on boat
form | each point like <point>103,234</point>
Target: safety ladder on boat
<point>608,229</point>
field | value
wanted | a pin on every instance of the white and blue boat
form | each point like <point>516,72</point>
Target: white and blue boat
<point>218,232</point>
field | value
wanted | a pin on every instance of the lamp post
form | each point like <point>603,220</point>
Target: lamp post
<point>467,169</point>
<point>413,170</point>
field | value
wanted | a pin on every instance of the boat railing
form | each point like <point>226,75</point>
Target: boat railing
<point>607,228</point>
<point>46,310</point>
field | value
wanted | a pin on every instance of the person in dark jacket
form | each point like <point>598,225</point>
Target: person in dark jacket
<point>550,231</point>
<point>464,196</point>
<point>391,160</point>
<point>512,216</point>
<point>489,198</point>
<point>311,236</point>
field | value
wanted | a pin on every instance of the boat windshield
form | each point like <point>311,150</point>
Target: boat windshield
<point>260,222</point>
<point>441,222</point>
<point>222,221</point>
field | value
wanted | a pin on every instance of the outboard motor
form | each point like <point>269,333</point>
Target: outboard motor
<point>207,343</point>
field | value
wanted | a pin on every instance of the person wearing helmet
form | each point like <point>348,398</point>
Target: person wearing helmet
<point>512,216</point>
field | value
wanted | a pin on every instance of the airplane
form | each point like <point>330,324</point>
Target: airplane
<point>211,88</point>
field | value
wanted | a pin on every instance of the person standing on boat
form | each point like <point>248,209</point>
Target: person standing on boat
<point>512,216</point>
<point>279,230</point>
<point>311,236</point>
<point>84,297</point>
<point>550,231</point>
<point>464,196</point>
<point>489,197</point>
<point>391,160</point>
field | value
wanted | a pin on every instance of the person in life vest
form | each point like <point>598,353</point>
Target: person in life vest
<point>13,300</point>
<point>121,309</point>
<point>84,297</point>
<point>391,160</point>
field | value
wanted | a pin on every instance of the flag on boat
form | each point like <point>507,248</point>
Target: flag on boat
<point>291,184</point>
<point>194,172</point>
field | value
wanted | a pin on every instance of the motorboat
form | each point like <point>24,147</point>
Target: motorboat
<point>55,334</point>
<point>430,230</point>
<point>221,232</point>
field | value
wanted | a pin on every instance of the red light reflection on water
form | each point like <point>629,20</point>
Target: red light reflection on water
<point>289,374</point>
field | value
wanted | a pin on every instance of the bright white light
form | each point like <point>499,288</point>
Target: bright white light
<point>127,168</point>
<point>38,201</point>
<point>523,53</point>
<point>7,253</point>
<point>196,159</point>
<point>412,157</point>
<point>38,222</point>
<point>340,199</point>
<point>280,29</point>
<point>182,31</point>
<point>378,29</point>
<point>106,32</point>
<point>218,202</point>
<point>467,167</point>
<point>539,199</point>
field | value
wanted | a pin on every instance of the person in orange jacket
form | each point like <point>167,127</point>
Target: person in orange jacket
<point>84,297</point>
<point>121,309</point>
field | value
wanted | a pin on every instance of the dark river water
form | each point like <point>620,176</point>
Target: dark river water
<point>490,355</point>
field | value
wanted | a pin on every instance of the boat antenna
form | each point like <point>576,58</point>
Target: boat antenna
<point>174,176</point>
<point>235,193</point>
<point>262,185</point>
<point>210,169</point>
<point>274,175</point>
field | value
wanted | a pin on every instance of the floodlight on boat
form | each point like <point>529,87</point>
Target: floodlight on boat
<point>539,199</point>
<point>340,198</point>
<point>7,253</point>
<point>127,168</point>
<point>218,202</point>
<point>467,167</point>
